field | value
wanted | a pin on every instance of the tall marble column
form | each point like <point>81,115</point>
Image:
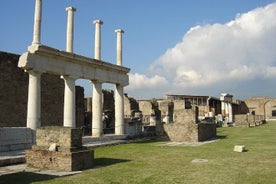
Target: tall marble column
<point>69,110</point>
<point>34,100</point>
<point>119,46</point>
<point>97,124</point>
<point>97,53</point>
<point>37,22</point>
<point>119,110</point>
<point>69,113</point>
<point>70,29</point>
<point>230,112</point>
<point>222,108</point>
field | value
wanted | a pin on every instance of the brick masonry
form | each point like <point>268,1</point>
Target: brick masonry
<point>69,155</point>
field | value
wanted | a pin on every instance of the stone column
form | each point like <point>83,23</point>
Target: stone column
<point>34,100</point>
<point>119,110</point>
<point>222,108</point>
<point>37,22</point>
<point>119,46</point>
<point>69,113</point>
<point>97,123</point>
<point>230,112</point>
<point>70,29</point>
<point>97,54</point>
<point>226,109</point>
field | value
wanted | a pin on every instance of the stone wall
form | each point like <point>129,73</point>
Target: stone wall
<point>247,120</point>
<point>130,106</point>
<point>16,138</point>
<point>186,127</point>
<point>14,96</point>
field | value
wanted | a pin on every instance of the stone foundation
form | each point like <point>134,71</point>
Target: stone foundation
<point>59,148</point>
<point>60,160</point>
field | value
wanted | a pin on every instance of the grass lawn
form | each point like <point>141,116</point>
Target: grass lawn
<point>148,162</point>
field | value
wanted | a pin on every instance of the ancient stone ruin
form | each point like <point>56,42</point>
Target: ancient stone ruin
<point>59,148</point>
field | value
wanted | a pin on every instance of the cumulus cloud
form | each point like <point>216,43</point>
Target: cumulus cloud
<point>138,81</point>
<point>208,55</point>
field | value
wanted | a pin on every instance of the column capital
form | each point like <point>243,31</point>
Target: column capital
<point>119,31</point>
<point>97,22</point>
<point>70,8</point>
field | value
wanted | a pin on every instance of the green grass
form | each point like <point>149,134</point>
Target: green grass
<point>148,162</point>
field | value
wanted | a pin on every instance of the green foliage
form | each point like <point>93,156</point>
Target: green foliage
<point>150,162</point>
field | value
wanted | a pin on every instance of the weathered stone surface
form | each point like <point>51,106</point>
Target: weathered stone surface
<point>239,148</point>
<point>15,138</point>
<point>60,160</point>
<point>186,127</point>
<point>59,148</point>
<point>65,138</point>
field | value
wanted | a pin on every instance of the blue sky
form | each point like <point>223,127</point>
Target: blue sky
<point>171,46</point>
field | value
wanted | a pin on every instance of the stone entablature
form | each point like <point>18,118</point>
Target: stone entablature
<point>42,58</point>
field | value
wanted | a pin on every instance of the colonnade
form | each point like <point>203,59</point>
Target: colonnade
<point>34,94</point>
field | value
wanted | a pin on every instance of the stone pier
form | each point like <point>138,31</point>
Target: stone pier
<point>60,149</point>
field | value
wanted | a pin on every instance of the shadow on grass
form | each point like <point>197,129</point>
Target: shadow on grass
<point>102,162</point>
<point>24,177</point>
<point>221,136</point>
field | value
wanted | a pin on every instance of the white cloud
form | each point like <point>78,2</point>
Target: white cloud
<point>212,57</point>
<point>140,81</point>
<point>208,55</point>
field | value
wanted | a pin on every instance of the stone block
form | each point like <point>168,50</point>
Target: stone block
<point>60,160</point>
<point>239,148</point>
<point>65,138</point>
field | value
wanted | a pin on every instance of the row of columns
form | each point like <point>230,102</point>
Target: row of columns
<point>34,95</point>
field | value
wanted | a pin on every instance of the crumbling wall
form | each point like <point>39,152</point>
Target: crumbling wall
<point>130,106</point>
<point>248,120</point>
<point>186,127</point>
